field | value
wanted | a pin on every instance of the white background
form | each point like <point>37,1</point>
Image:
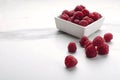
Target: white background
<point>31,48</point>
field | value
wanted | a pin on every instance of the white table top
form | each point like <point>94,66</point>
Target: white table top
<point>31,48</point>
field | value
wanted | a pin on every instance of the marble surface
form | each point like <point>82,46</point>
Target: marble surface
<point>31,48</point>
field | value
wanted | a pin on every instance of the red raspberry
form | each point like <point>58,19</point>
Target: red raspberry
<point>103,49</point>
<point>76,21</point>
<point>72,47</point>
<point>88,19</point>
<point>85,12</point>
<point>91,15</point>
<point>91,51</point>
<point>83,7</point>
<point>87,43</point>
<point>82,40</point>
<point>69,19</point>
<point>71,13</point>
<point>95,15</point>
<point>70,61</point>
<point>79,8</point>
<point>108,37</point>
<point>64,16</point>
<point>65,12</point>
<point>78,14</point>
<point>83,23</point>
<point>98,41</point>
<point>72,18</point>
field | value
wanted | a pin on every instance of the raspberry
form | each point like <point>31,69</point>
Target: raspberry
<point>82,40</point>
<point>83,7</point>
<point>76,21</point>
<point>69,19</point>
<point>72,47</point>
<point>98,41</point>
<point>71,13</point>
<point>65,12</point>
<point>70,61</point>
<point>83,23</point>
<point>88,19</point>
<point>103,49</point>
<point>108,37</point>
<point>95,15</point>
<point>72,18</point>
<point>98,15</point>
<point>78,14</point>
<point>85,12</point>
<point>79,8</point>
<point>91,15</point>
<point>64,16</point>
<point>91,51</point>
<point>87,43</point>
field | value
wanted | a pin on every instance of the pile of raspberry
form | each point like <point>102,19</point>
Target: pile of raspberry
<point>80,15</point>
<point>97,46</point>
